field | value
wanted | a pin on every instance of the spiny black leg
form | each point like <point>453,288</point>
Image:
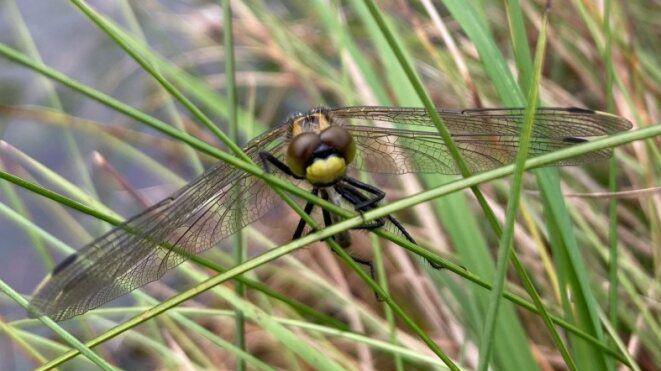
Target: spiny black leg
<point>369,266</point>
<point>401,228</point>
<point>364,186</point>
<point>327,222</point>
<point>327,217</point>
<point>406,234</point>
<point>354,197</point>
<point>366,263</point>
<point>368,202</point>
<point>343,238</point>
<point>267,158</point>
<point>392,219</point>
<point>301,223</point>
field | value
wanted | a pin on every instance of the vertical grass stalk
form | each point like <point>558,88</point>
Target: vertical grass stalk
<point>612,181</point>
<point>506,239</point>
<point>239,250</point>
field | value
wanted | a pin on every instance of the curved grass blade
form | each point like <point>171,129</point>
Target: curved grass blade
<point>80,347</point>
<point>612,141</point>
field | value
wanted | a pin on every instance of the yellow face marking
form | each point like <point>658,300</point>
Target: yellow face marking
<point>326,171</point>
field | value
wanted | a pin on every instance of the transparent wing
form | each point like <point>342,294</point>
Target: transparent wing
<point>143,248</point>
<point>402,140</point>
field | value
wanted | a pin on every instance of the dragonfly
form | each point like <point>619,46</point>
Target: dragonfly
<point>319,149</point>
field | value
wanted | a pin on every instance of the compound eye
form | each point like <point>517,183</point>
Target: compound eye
<point>340,139</point>
<point>300,151</point>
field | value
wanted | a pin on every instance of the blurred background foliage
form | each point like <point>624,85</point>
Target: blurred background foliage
<point>292,55</point>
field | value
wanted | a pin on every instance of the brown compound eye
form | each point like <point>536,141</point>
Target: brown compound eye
<point>340,139</point>
<point>300,151</point>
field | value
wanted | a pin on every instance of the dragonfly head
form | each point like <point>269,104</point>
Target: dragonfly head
<point>321,157</point>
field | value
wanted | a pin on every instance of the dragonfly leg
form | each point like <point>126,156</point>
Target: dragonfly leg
<point>267,158</point>
<point>343,238</point>
<point>354,197</point>
<point>301,223</point>
<point>365,262</point>
<point>401,228</point>
<point>406,234</point>
<point>379,194</point>
<point>391,218</point>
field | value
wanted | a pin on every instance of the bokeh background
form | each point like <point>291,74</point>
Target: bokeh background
<point>291,56</point>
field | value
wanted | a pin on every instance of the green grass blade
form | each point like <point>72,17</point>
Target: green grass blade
<point>111,31</point>
<point>239,247</point>
<point>506,240</point>
<point>520,44</point>
<point>612,183</point>
<point>251,168</point>
<point>547,178</point>
<point>28,45</point>
<point>170,107</point>
<point>14,335</point>
<point>270,255</point>
<point>159,125</point>
<point>492,60</point>
<point>80,347</point>
<point>383,282</point>
<point>525,358</point>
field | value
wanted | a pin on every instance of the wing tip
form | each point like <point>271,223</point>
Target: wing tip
<point>619,123</point>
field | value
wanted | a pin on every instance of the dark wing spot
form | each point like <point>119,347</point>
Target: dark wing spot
<point>574,140</point>
<point>64,263</point>
<point>579,110</point>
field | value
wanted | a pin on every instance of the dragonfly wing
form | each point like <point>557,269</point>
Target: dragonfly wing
<point>215,205</point>
<point>401,141</point>
<point>549,121</point>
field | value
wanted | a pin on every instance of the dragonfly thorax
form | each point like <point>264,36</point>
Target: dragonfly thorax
<point>319,151</point>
